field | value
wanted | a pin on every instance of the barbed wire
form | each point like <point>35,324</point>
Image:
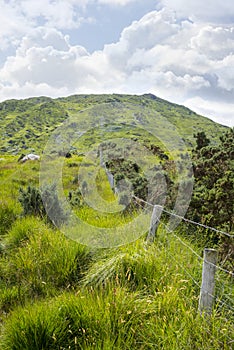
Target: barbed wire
<point>222,269</point>
<point>184,219</point>
<point>199,224</point>
<point>200,258</point>
<point>181,241</point>
<point>223,292</point>
<point>217,298</point>
<point>219,301</point>
<point>139,200</point>
<point>183,268</point>
<point>195,253</point>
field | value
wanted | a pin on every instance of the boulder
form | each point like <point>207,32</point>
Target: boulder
<point>30,156</point>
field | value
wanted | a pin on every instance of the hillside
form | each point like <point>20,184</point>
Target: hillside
<point>25,125</point>
<point>76,268</point>
<point>56,293</point>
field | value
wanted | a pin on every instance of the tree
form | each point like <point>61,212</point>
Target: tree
<point>201,140</point>
<point>212,201</point>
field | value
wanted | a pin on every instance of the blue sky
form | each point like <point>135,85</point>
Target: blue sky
<point>108,23</point>
<point>180,50</point>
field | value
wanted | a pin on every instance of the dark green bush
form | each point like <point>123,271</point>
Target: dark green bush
<point>53,206</point>
<point>75,198</point>
<point>44,203</point>
<point>31,201</point>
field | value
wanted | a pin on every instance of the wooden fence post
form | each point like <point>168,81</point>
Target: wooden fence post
<point>154,222</point>
<point>111,179</point>
<point>208,281</point>
<point>102,163</point>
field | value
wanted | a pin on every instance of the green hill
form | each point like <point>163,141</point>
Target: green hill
<point>25,125</point>
<point>59,292</point>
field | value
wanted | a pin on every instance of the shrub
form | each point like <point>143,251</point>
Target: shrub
<point>75,198</point>
<point>44,203</point>
<point>53,206</point>
<point>31,201</point>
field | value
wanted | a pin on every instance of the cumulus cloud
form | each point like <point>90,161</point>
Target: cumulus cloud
<point>116,2</point>
<point>218,111</point>
<point>45,56</point>
<point>153,46</point>
<point>59,14</point>
<point>217,11</point>
<point>18,18</point>
<point>13,25</point>
<point>15,90</point>
<point>214,42</point>
<point>143,35</point>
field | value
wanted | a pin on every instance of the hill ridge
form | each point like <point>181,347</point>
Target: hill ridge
<point>27,124</point>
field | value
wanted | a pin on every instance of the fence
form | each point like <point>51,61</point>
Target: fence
<point>214,276</point>
<point>210,267</point>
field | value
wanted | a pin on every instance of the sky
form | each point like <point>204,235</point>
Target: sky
<point>179,50</point>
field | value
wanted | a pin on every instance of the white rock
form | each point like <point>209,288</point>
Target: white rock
<point>30,156</point>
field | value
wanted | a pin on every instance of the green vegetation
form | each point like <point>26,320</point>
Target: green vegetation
<point>214,174</point>
<point>44,203</point>
<point>26,125</point>
<point>56,293</point>
<point>212,201</point>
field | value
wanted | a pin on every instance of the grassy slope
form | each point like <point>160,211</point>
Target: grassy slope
<point>25,125</point>
<point>57,294</point>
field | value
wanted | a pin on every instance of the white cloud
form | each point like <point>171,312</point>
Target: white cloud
<point>151,30</point>
<point>220,112</point>
<point>31,90</point>
<point>13,24</point>
<point>59,14</point>
<point>44,37</point>
<point>44,56</point>
<point>225,73</point>
<point>116,2</point>
<point>218,11</point>
<point>214,42</point>
<point>18,18</point>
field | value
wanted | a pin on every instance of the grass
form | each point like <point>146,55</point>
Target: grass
<point>144,302</point>
<point>58,294</point>
<point>8,214</point>
<point>38,261</point>
<point>26,125</point>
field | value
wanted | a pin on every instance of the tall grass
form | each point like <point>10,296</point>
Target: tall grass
<point>113,318</point>
<point>8,214</point>
<point>39,261</point>
<point>149,268</point>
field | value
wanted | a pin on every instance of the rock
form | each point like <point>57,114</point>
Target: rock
<point>30,156</point>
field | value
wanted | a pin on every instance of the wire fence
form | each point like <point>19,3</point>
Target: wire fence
<point>139,200</point>
<point>184,219</point>
<point>223,294</point>
<point>224,291</point>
